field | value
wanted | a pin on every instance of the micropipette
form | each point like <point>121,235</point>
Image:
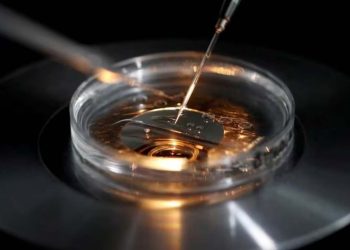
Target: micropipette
<point>79,57</point>
<point>227,9</point>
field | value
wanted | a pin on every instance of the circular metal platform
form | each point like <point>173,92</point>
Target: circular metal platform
<point>304,204</point>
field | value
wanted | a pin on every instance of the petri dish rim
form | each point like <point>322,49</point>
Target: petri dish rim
<point>94,149</point>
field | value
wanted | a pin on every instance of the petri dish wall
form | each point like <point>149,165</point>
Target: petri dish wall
<point>236,132</point>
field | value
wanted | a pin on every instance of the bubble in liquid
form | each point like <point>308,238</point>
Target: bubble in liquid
<point>147,131</point>
<point>233,128</point>
<point>245,125</point>
<point>208,117</point>
<point>160,103</point>
<point>224,120</point>
<point>199,127</point>
<point>190,126</point>
<point>140,99</point>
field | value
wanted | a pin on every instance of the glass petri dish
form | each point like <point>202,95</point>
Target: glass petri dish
<point>236,132</point>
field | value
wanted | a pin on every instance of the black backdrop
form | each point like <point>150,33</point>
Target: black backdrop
<point>313,29</point>
<point>317,30</point>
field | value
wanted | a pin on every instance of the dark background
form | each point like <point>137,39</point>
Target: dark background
<point>317,30</point>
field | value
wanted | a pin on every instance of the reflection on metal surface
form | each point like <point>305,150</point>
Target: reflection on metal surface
<point>154,202</point>
<point>318,205</point>
<point>163,229</point>
<point>169,224</point>
<point>256,232</point>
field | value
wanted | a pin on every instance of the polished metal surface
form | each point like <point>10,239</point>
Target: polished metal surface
<point>161,121</point>
<point>302,205</point>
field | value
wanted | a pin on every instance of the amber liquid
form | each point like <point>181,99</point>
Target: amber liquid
<point>240,129</point>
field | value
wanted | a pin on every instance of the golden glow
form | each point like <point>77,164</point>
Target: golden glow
<point>229,71</point>
<point>107,76</point>
<point>168,225</point>
<point>242,136</point>
<point>169,155</point>
<point>167,164</point>
<point>161,204</point>
<point>163,154</point>
<point>140,111</point>
<point>173,142</point>
<point>157,163</point>
<point>176,155</point>
<point>166,203</point>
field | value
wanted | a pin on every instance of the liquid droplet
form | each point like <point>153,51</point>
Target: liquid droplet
<point>140,99</point>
